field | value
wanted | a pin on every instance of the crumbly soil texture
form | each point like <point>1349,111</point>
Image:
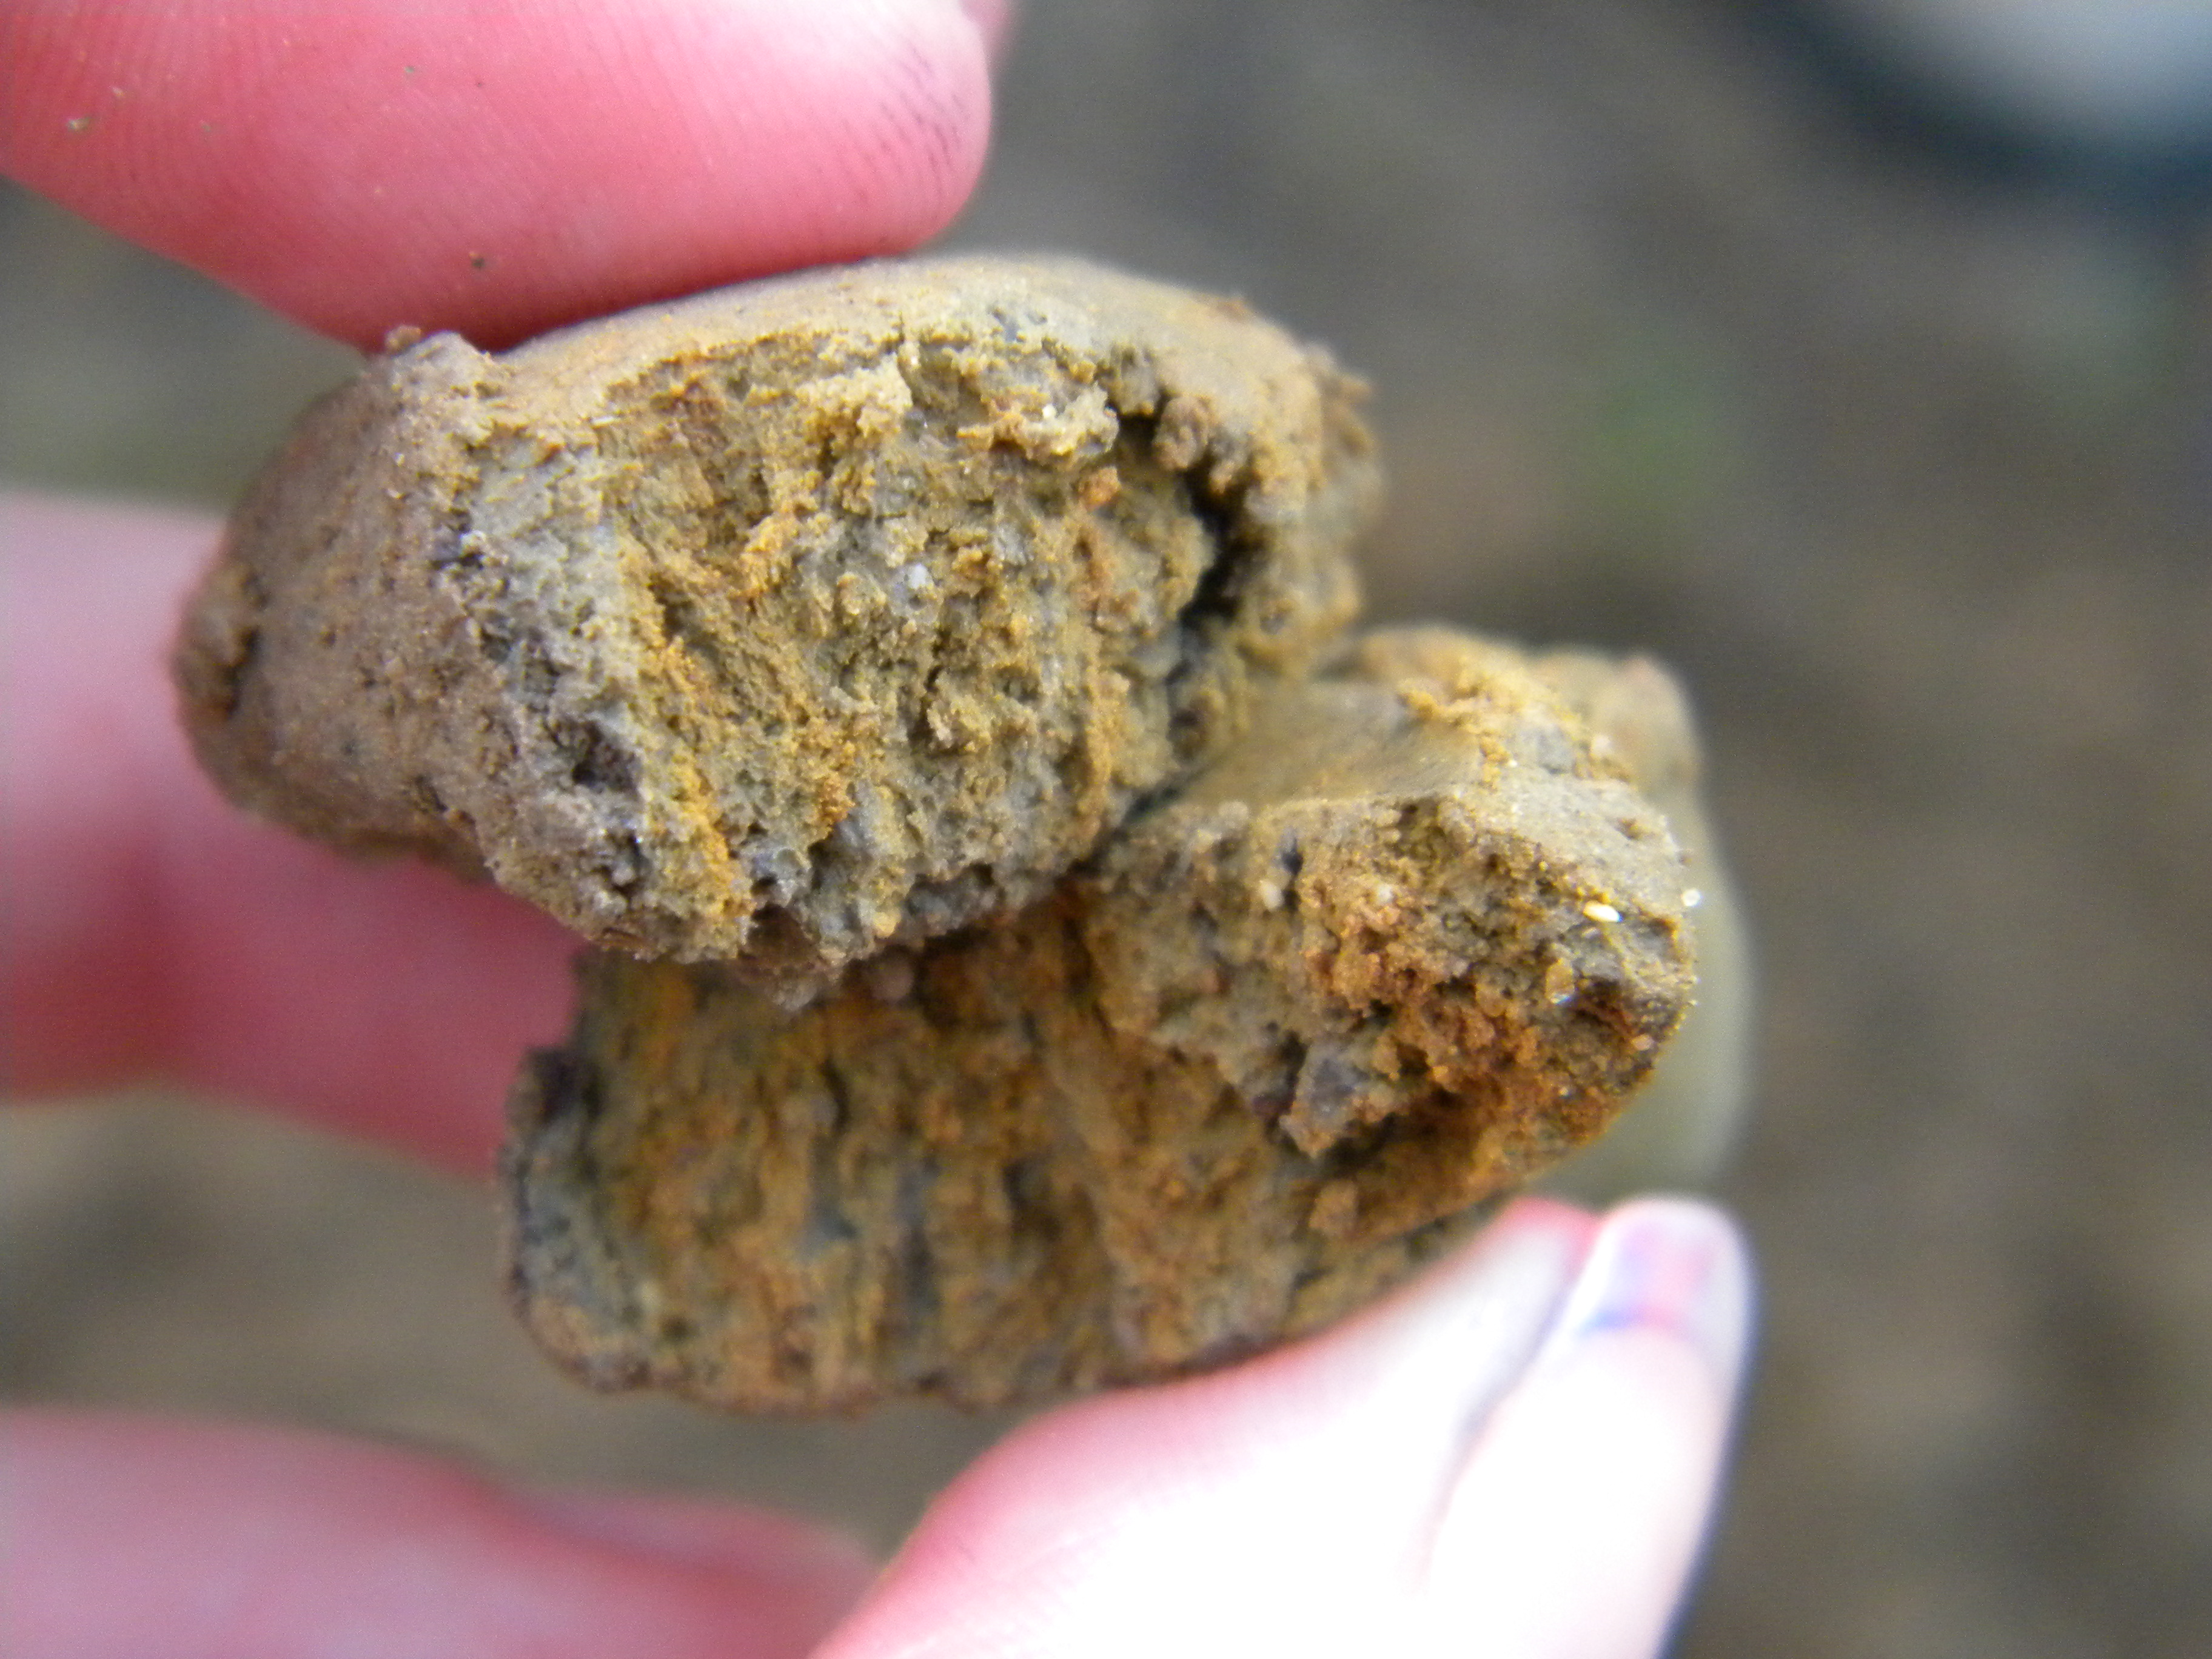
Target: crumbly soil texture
<point>1290,1033</point>
<point>1037,949</point>
<point>791,621</point>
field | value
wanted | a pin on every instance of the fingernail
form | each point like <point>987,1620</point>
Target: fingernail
<point>1668,1266</point>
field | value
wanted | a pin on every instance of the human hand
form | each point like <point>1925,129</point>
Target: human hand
<point>1514,1455</point>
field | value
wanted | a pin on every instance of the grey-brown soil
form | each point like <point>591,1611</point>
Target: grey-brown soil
<point>787,622</point>
<point>1413,938</point>
<point>1905,473</point>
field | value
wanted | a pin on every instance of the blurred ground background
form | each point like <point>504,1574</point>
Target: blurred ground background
<point>1908,470</point>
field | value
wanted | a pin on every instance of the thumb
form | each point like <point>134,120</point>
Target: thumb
<point>1517,1452</point>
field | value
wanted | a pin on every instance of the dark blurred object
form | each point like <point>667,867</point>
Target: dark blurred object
<point>2110,100</point>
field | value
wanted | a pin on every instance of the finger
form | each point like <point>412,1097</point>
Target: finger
<point>146,1535</point>
<point>1284,1501</point>
<point>1325,1499</point>
<point>498,166</point>
<point>147,929</point>
<point>1575,1521</point>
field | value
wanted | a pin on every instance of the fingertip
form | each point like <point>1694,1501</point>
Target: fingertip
<point>1600,1466</point>
<point>500,166</point>
<point>1292,1504</point>
<point>1576,1522</point>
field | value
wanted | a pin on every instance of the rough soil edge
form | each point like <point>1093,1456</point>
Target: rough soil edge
<point>1200,1098</point>
<point>786,622</point>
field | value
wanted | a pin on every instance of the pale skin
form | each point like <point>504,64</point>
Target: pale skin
<point>1515,1456</point>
